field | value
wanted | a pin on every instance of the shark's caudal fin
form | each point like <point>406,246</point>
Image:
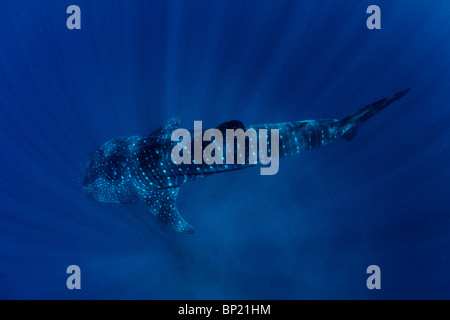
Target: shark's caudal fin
<point>162,202</point>
<point>349,125</point>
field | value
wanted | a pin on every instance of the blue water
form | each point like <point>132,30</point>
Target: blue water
<point>309,231</point>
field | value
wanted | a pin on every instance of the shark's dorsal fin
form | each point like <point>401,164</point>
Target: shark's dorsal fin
<point>162,202</point>
<point>167,127</point>
<point>233,124</point>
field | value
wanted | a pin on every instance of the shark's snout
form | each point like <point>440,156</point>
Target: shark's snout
<point>94,175</point>
<point>107,176</point>
<point>89,184</point>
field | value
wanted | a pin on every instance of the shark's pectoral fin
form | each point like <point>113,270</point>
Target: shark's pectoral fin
<point>162,202</point>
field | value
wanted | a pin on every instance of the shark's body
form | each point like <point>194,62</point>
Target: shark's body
<point>140,169</point>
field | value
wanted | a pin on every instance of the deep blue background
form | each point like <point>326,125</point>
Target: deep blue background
<point>308,232</point>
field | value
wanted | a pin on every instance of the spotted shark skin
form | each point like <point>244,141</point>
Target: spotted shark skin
<point>139,169</point>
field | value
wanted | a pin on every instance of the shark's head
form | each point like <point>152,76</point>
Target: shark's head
<point>106,172</point>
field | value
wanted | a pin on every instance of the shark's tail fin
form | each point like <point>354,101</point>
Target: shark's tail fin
<point>348,126</point>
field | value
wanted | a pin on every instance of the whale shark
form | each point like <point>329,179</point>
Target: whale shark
<point>140,169</point>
